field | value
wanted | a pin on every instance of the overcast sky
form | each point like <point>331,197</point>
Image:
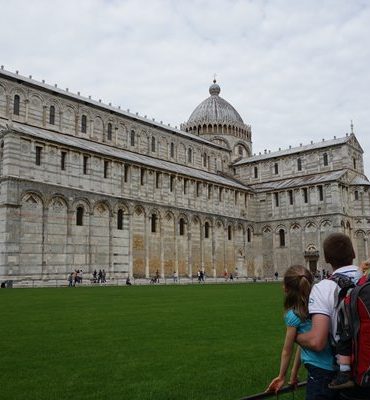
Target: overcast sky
<point>296,71</point>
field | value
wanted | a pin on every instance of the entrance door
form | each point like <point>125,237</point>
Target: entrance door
<point>313,266</point>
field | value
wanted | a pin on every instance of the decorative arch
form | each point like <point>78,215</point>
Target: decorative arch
<point>310,226</point>
<point>295,227</point>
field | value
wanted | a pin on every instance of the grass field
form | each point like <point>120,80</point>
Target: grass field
<point>149,342</point>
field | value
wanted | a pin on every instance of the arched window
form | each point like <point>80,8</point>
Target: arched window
<point>16,105</point>
<point>325,158</point>
<point>80,216</point>
<point>276,168</point>
<point>109,131</point>
<point>248,235</point>
<point>354,163</point>
<point>154,223</point>
<point>52,115</point>
<point>132,138</point>
<point>205,159</point>
<point>83,124</point>
<point>299,164</point>
<point>120,219</point>
<point>229,235</point>
<point>182,227</point>
<point>206,230</point>
<point>282,237</point>
<point>256,172</point>
<point>172,150</point>
<point>190,155</point>
<point>153,144</point>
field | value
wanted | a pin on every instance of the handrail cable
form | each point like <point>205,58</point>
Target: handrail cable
<point>285,389</point>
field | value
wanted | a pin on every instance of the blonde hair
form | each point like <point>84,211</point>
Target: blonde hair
<point>298,282</point>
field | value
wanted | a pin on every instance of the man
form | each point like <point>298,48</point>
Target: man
<point>338,252</point>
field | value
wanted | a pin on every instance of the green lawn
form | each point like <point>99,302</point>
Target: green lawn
<point>149,342</point>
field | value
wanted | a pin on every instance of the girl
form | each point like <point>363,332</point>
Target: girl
<point>297,286</point>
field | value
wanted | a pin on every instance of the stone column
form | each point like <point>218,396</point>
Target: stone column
<point>161,244</point>
<point>44,109</point>
<point>8,111</point>
<point>89,244</point>
<point>366,247</point>
<point>91,129</point>
<point>69,249</point>
<point>201,241</point>
<point>111,224</point>
<point>77,119</point>
<point>224,244</point>
<point>190,257</point>
<point>45,214</point>
<point>27,110</point>
<point>176,249</point>
<point>213,250</point>
<point>130,246</point>
<point>61,121</point>
<point>146,244</point>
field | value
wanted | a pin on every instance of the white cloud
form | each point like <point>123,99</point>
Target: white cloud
<point>295,71</point>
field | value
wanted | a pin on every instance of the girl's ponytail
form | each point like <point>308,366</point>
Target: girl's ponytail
<point>298,282</point>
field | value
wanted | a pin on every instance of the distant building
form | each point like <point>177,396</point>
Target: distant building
<point>85,184</point>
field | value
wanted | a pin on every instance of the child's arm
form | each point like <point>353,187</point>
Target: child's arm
<point>296,365</point>
<point>286,354</point>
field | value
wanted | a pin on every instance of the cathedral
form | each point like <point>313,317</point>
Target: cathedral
<point>87,185</point>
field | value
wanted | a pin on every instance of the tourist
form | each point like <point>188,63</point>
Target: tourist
<point>94,276</point>
<point>276,276</point>
<point>297,287</point>
<point>157,276</point>
<point>128,281</point>
<point>344,379</point>
<point>174,277</point>
<point>103,275</point>
<point>339,253</point>
<point>100,276</point>
<point>80,275</point>
<point>74,278</point>
<point>202,275</point>
<point>70,280</point>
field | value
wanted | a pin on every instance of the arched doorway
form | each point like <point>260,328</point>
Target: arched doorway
<point>311,256</point>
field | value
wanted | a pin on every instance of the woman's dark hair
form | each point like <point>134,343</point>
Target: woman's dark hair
<point>298,282</point>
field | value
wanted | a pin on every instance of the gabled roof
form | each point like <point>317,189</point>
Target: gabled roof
<point>306,180</point>
<point>298,149</point>
<point>104,150</point>
<point>360,181</point>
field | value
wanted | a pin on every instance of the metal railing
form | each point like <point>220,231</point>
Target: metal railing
<point>286,389</point>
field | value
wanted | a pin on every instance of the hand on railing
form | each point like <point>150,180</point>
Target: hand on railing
<point>276,384</point>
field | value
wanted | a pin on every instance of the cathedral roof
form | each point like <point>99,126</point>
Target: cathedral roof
<point>295,150</point>
<point>300,181</point>
<point>104,150</point>
<point>215,110</point>
<point>359,181</point>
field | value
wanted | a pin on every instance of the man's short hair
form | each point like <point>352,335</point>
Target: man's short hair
<point>338,250</point>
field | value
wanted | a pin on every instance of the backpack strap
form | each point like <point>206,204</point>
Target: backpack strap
<point>345,283</point>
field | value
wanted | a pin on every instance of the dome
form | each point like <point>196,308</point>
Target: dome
<point>215,110</point>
